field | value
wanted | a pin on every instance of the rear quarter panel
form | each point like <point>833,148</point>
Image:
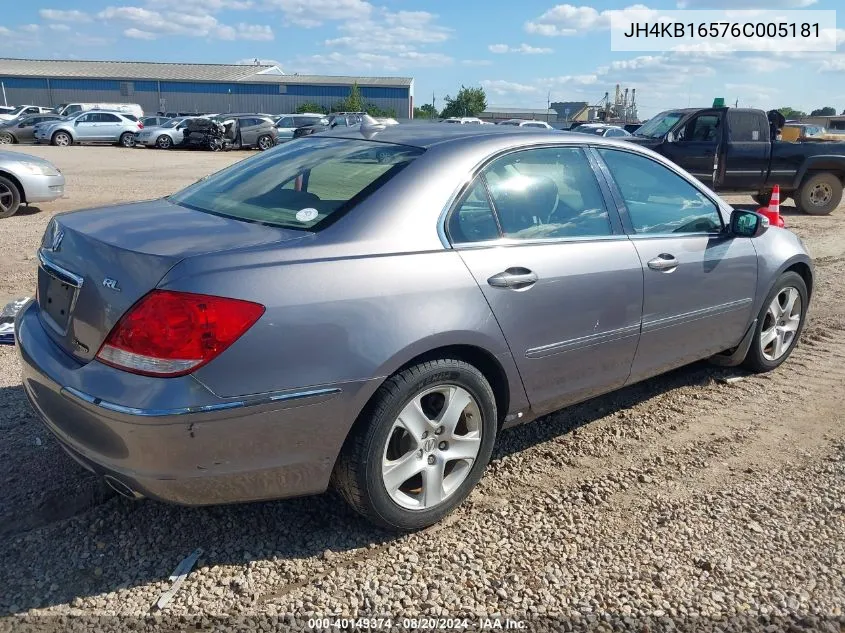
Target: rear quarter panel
<point>334,320</point>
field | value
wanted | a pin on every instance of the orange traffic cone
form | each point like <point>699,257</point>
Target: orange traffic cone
<point>772,211</point>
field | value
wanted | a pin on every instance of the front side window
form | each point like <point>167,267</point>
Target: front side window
<point>704,127</point>
<point>86,118</point>
<point>287,121</point>
<point>300,184</point>
<point>547,193</point>
<point>659,200</point>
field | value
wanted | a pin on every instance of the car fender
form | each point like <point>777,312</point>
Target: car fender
<point>777,251</point>
<point>825,162</point>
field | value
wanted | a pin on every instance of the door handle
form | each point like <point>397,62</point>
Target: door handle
<point>663,262</point>
<point>514,278</point>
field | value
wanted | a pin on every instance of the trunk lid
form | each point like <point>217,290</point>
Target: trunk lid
<point>95,264</point>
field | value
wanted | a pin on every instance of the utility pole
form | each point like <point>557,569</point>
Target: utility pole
<point>736,104</point>
<point>433,107</point>
<point>548,105</point>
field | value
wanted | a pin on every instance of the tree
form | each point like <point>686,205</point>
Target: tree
<point>311,107</point>
<point>826,111</point>
<point>469,102</point>
<point>374,110</point>
<point>426,111</point>
<point>789,113</point>
<point>352,103</point>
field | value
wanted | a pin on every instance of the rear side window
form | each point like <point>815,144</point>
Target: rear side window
<point>746,127</point>
<point>658,200</point>
<point>473,219</point>
<point>289,122</point>
<point>299,185</point>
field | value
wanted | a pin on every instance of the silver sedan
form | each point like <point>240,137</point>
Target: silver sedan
<point>163,136</point>
<point>316,315</point>
<point>26,179</point>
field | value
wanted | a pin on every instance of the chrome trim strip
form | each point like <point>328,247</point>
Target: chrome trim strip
<point>695,315</point>
<point>71,279</point>
<point>585,341</point>
<point>221,406</point>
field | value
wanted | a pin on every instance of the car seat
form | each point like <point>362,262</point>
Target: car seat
<point>524,201</point>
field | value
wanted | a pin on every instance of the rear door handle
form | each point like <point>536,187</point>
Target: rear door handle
<point>663,262</point>
<point>514,278</point>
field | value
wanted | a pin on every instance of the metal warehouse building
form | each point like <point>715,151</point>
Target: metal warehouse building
<point>170,87</point>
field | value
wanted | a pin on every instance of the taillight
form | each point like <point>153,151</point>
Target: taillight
<point>171,333</point>
<point>140,125</point>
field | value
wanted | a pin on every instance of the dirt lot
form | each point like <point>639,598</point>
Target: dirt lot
<point>679,498</point>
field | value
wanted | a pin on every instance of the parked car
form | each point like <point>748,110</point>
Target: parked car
<point>154,121</point>
<point>286,124</point>
<point>164,136</point>
<point>26,179</point>
<point>732,150</point>
<point>252,130</point>
<point>22,130</point>
<point>463,120</point>
<point>89,127</point>
<point>310,315</point>
<point>602,129</point>
<point>22,111</point>
<point>69,109</point>
<point>526,123</point>
<point>347,120</point>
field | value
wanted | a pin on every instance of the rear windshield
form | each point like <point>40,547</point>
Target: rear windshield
<point>300,184</point>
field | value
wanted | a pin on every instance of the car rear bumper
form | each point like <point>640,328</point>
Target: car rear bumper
<point>43,188</point>
<point>133,430</point>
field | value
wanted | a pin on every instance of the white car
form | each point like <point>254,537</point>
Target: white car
<point>602,129</point>
<point>464,120</point>
<point>26,179</point>
<point>21,111</point>
<point>287,123</point>
<point>70,109</point>
<point>163,136</point>
<point>526,123</point>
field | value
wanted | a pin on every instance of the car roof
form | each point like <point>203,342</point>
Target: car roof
<point>426,135</point>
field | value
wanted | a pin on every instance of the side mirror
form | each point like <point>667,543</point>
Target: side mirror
<point>748,223</point>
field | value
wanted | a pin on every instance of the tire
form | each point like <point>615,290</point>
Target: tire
<point>164,142</point>
<point>757,359</point>
<point>10,198</point>
<point>127,139</point>
<point>264,142</point>
<point>61,139</point>
<point>6,139</point>
<point>764,198</point>
<point>819,194</point>
<point>379,437</point>
<point>381,156</point>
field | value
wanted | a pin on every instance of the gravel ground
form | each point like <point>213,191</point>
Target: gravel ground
<point>681,501</point>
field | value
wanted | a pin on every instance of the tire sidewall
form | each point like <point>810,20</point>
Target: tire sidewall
<point>6,139</point>
<point>127,143</point>
<point>461,375</point>
<point>803,196</point>
<point>65,134</point>
<point>16,198</point>
<point>755,358</point>
<point>164,144</point>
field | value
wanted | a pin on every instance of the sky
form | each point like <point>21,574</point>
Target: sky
<point>523,53</point>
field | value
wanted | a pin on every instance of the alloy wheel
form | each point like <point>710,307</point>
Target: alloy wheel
<point>781,323</point>
<point>432,447</point>
<point>62,140</point>
<point>164,142</point>
<point>265,143</point>
<point>7,198</point>
<point>5,139</point>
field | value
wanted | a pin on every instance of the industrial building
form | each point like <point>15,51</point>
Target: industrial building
<point>169,87</point>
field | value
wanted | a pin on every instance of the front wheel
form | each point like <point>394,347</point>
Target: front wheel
<point>164,142</point>
<point>779,323</point>
<point>422,447</point>
<point>10,198</point>
<point>820,194</point>
<point>61,139</point>
<point>265,142</point>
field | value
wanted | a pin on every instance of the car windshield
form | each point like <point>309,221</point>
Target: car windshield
<point>300,184</point>
<point>659,125</point>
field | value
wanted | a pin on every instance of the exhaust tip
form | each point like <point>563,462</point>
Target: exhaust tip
<point>122,489</point>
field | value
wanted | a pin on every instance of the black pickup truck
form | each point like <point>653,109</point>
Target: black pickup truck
<point>733,150</point>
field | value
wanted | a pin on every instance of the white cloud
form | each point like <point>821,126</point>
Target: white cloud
<point>137,34</point>
<point>357,61</point>
<point>567,19</point>
<point>155,24</point>
<point>312,13</point>
<point>30,28</point>
<point>201,6</point>
<point>59,27</point>
<point>502,87</point>
<point>395,32</point>
<point>523,49</point>
<point>59,15</point>
<point>476,62</point>
<point>745,4</point>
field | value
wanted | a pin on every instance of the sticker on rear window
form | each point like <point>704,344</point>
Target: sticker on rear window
<point>306,215</point>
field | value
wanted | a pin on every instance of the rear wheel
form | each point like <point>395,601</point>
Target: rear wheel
<point>265,142</point>
<point>164,142</point>
<point>10,198</point>
<point>423,446</point>
<point>61,139</point>
<point>819,194</point>
<point>779,323</point>
<point>127,139</point>
<point>6,138</point>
